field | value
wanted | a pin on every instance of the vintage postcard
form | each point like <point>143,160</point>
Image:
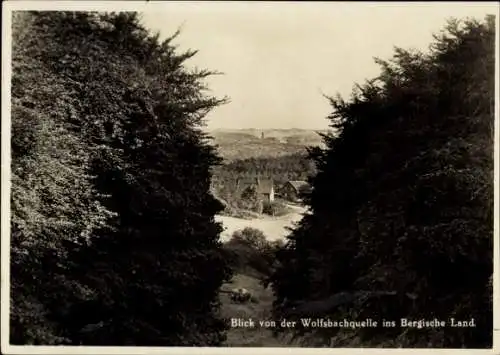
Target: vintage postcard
<point>249,177</point>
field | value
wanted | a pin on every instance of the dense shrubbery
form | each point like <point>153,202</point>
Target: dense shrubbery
<point>403,199</point>
<point>275,208</point>
<point>112,220</point>
<point>251,253</point>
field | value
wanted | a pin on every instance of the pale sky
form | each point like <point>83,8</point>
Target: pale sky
<point>278,58</point>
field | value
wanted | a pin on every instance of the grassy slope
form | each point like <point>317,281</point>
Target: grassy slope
<point>242,144</point>
<point>250,337</point>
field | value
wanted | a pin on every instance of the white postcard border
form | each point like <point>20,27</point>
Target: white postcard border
<point>6,348</point>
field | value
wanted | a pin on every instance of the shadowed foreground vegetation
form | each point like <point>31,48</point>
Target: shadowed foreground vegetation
<point>113,237</point>
<point>403,201</point>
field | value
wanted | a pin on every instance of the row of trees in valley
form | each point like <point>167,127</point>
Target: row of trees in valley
<point>402,205</point>
<point>296,166</point>
<point>113,237</point>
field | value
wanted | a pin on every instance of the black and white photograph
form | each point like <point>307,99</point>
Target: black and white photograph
<point>249,176</point>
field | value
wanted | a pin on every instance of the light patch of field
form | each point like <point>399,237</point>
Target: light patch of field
<point>274,228</point>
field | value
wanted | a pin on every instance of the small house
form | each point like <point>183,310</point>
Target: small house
<point>264,188</point>
<point>293,190</point>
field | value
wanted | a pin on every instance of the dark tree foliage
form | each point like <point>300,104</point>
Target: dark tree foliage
<point>54,205</point>
<point>246,250</point>
<point>403,199</point>
<point>251,253</point>
<point>114,238</point>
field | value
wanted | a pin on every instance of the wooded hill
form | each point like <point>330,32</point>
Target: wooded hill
<point>242,144</point>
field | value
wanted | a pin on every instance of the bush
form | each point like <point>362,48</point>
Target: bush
<point>275,208</point>
<point>250,252</point>
<point>251,237</point>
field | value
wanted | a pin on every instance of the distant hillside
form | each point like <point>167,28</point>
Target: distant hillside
<point>248,143</point>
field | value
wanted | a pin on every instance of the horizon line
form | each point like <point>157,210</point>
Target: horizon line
<point>268,129</point>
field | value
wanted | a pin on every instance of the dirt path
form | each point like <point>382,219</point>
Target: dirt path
<point>274,228</point>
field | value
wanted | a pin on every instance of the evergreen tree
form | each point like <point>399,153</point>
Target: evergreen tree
<point>54,205</point>
<point>152,277</point>
<point>403,199</point>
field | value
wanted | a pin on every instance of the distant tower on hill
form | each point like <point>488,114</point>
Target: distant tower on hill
<point>262,135</point>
